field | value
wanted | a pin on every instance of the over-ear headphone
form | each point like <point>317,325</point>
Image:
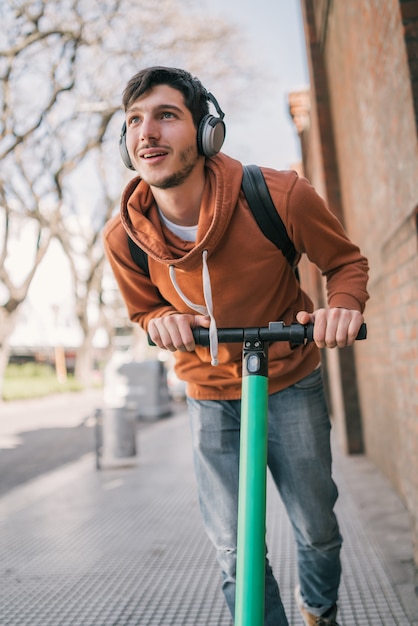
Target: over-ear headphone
<point>123,149</point>
<point>210,134</point>
<point>211,130</point>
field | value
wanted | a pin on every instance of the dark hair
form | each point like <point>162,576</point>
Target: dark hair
<point>195,95</point>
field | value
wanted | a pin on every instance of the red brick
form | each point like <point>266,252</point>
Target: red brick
<point>361,150</point>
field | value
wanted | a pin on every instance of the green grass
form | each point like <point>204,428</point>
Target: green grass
<point>34,380</point>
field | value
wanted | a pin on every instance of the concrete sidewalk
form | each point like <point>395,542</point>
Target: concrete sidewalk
<point>81,547</point>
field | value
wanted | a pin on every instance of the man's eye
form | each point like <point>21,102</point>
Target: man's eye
<point>133,120</point>
<point>167,115</point>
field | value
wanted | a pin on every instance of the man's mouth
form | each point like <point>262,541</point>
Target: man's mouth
<point>152,154</point>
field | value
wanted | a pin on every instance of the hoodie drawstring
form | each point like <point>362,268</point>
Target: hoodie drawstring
<point>203,310</point>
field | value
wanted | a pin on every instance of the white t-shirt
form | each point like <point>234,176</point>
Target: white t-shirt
<point>188,233</point>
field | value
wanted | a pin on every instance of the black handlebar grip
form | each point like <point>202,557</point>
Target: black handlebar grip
<point>309,332</point>
<point>362,333</point>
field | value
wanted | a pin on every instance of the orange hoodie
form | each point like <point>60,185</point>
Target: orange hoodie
<point>252,283</point>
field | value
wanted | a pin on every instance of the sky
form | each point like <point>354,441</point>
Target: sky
<point>273,33</point>
<point>262,133</point>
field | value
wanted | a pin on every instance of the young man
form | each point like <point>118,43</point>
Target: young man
<point>210,265</point>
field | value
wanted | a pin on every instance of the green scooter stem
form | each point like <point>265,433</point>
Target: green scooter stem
<point>251,542</point>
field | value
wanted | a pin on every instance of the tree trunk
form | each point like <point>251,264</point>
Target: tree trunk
<point>7,326</point>
<point>84,363</point>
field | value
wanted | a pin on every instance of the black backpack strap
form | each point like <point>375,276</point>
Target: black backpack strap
<point>139,256</point>
<point>259,199</point>
<point>265,213</point>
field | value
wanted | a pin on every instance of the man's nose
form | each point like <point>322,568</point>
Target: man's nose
<point>149,129</point>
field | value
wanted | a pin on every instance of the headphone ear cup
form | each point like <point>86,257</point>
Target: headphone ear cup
<point>123,149</point>
<point>210,135</point>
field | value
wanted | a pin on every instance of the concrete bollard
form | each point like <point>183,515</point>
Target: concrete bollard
<point>119,430</point>
<point>132,390</point>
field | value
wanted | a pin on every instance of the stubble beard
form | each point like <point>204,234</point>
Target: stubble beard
<point>188,160</point>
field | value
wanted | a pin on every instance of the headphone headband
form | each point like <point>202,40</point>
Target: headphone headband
<point>215,103</point>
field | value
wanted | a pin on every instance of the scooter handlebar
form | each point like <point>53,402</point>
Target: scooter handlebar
<point>297,334</point>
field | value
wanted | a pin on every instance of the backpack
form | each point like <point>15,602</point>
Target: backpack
<point>265,214</point>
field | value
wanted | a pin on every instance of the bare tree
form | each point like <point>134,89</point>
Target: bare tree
<point>79,233</point>
<point>29,199</point>
<point>63,66</point>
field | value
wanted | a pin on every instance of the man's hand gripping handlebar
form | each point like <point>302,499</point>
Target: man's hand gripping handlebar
<point>296,334</point>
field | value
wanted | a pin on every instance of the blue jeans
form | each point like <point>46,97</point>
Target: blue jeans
<point>299,458</point>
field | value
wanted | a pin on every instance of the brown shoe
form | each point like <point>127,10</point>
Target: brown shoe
<point>327,619</point>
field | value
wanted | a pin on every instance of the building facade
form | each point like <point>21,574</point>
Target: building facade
<point>358,130</point>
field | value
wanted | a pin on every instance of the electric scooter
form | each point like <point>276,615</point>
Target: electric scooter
<point>250,580</point>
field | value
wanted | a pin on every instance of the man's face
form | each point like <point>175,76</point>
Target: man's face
<point>161,137</point>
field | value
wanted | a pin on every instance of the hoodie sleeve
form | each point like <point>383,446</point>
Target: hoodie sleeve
<point>317,232</point>
<point>142,299</point>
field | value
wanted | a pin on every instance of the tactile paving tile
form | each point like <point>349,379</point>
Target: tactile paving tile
<point>127,548</point>
<point>366,597</point>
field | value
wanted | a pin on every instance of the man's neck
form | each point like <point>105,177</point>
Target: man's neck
<point>181,204</point>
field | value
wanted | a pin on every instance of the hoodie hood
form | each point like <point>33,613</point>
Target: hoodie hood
<point>139,215</point>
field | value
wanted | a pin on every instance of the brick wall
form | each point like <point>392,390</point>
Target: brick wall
<point>409,12</point>
<point>369,49</point>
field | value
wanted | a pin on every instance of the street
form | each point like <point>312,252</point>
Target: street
<point>40,435</point>
<point>126,545</point>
